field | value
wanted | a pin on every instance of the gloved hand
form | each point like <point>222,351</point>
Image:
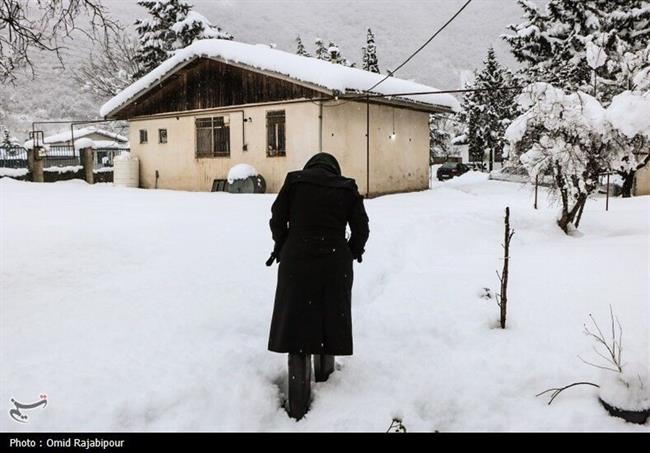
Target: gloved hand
<point>272,258</point>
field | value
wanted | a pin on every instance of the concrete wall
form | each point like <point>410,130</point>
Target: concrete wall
<point>396,165</point>
<point>642,181</point>
<point>179,168</point>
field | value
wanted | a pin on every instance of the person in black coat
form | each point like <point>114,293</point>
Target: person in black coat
<point>312,310</point>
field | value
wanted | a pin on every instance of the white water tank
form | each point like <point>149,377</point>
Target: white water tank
<point>126,170</point>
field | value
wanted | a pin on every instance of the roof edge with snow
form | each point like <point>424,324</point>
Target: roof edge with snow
<point>317,74</point>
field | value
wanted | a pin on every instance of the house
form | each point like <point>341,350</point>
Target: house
<point>60,149</point>
<point>219,103</point>
<point>642,176</point>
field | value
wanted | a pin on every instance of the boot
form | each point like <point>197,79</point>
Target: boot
<point>323,367</point>
<point>299,384</point>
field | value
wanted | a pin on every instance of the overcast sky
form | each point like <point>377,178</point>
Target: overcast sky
<point>400,27</point>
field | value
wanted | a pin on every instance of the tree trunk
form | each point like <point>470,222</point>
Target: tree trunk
<point>628,183</point>
<point>503,297</point>
<point>569,215</point>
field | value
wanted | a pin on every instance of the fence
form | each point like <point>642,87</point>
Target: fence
<point>57,156</point>
<point>13,157</point>
<point>64,156</point>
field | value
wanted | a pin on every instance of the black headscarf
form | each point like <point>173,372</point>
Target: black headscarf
<point>325,161</point>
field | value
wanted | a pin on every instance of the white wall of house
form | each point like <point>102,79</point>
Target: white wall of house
<point>642,181</point>
<point>396,165</point>
<point>180,169</point>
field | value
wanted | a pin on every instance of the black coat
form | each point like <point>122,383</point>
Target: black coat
<point>312,312</point>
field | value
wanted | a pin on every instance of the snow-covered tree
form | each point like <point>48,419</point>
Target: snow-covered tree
<point>172,25</point>
<point>573,138</point>
<point>336,57</point>
<point>300,48</point>
<point>488,111</point>
<point>625,44</point>
<point>591,45</point>
<point>196,26</point>
<point>6,140</point>
<point>629,115</point>
<point>370,62</point>
<point>440,134</point>
<point>322,52</point>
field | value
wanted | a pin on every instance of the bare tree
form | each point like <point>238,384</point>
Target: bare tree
<point>110,67</point>
<point>27,27</point>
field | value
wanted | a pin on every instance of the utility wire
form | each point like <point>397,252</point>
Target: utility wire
<point>390,73</point>
<point>410,57</point>
<point>346,99</point>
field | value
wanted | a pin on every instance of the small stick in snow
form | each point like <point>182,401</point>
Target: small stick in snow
<point>614,350</point>
<point>557,391</point>
<point>502,298</point>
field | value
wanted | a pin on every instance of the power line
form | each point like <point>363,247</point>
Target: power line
<point>390,73</point>
<point>345,99</point>
<point>410,57</point>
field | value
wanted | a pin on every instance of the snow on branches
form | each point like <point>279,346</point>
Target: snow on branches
<point>171,25</point>
<point>573,138</point>
<point>597,46</point>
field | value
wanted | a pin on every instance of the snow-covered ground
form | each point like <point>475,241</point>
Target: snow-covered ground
<point>143,310</point>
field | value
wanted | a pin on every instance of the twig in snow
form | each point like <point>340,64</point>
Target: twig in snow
<point>557,391</point>
<point>614,350</point>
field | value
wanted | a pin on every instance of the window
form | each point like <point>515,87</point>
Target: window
<point>162,135</point>
<point>275,140</point>
<point>143,136</point>
<point>213,136</point>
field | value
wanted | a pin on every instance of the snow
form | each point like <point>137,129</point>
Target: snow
<point>64,169</point>
<point>630,114</point>
<point>241,171</point>
<point>628,390</point>
<point>124,155</point>
<point>193,19</point>
<point>83,143</point>
<point>151,310</point>
<point>596,55</point>
<point>66,136</point>
<point>4,171</point>
<point>324,74</point>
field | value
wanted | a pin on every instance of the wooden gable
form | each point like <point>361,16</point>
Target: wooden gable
<point>206,83</point>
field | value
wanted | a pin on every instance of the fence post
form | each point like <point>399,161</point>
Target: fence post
<point>87,162</point>
<point>35,165</point>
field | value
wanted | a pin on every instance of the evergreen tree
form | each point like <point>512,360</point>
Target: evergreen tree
<point>322,52</point>
<point>487,113</point>
<point>301,48</point>
<point>561,45</point>
<point>6,140</point>
<point>336,57</point>
<point>370,53</point>
<point>172,25</point>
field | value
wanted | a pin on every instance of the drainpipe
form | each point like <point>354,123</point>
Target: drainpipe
<point>244,120</point>
<point>367,146</point>
<point>320,126</point>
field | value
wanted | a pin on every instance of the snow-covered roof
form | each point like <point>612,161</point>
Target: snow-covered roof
<point>321,74</point>
<point>118,141</point>
<point>65,135</point>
